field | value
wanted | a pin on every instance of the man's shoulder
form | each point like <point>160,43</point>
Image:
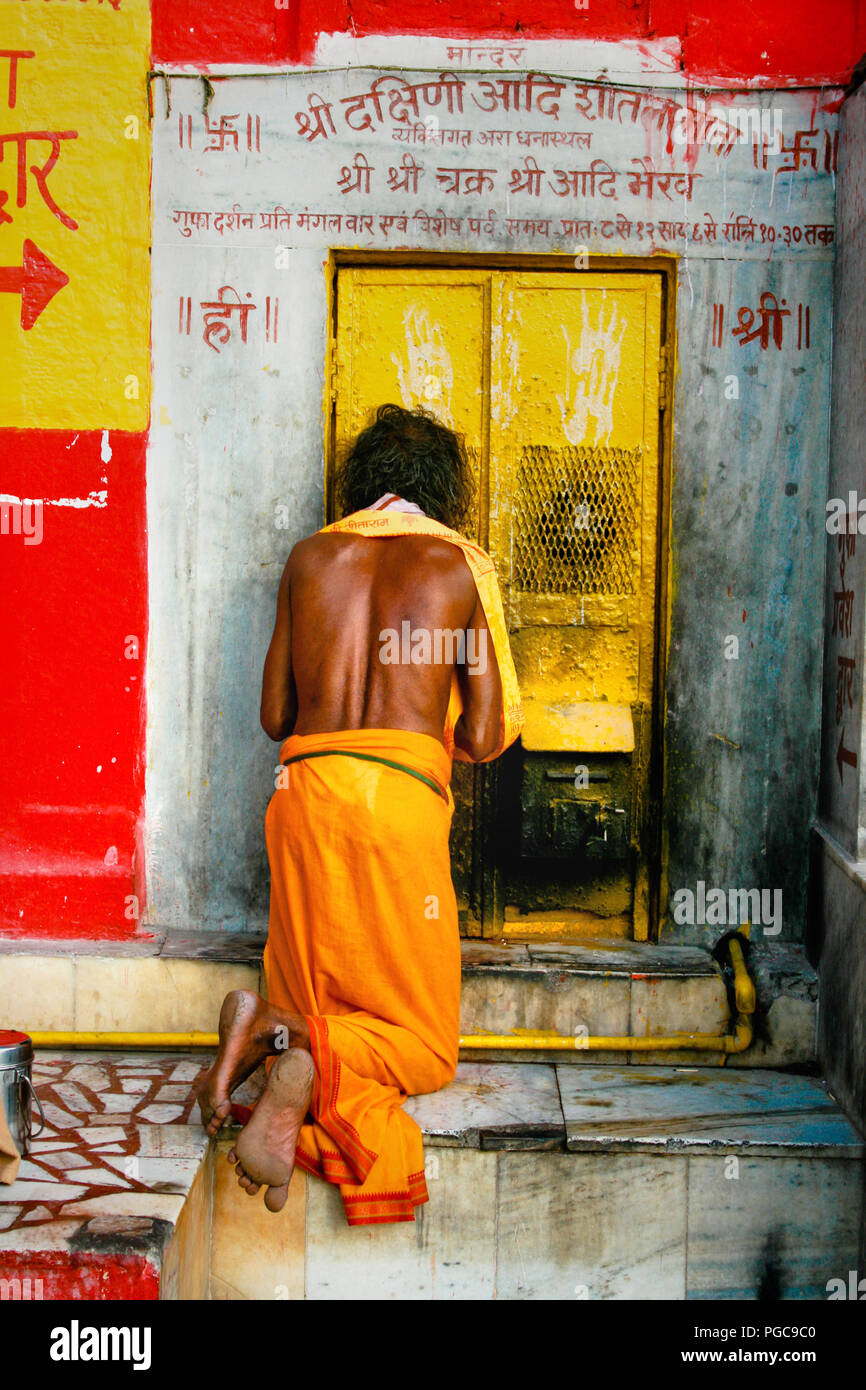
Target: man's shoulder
<point>316,543</point>
<point>440,559</point>
<point>442,547</point>
<point>304,548</point>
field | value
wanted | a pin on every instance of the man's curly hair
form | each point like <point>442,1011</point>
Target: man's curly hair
<point>410,453</point>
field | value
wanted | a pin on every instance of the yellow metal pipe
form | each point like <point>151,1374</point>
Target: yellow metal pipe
<point>167,1040</point>
<point>744,989</point>
<point>528,1040</point>
<point>515,1042</point>
<point>737,1041</point>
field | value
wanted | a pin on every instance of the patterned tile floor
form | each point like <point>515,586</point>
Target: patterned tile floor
<point>121,1130</point>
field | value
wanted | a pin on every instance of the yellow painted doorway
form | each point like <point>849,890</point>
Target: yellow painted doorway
<point>555,381</point>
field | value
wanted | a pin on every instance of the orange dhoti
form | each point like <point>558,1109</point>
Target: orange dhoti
<point>363,941</point>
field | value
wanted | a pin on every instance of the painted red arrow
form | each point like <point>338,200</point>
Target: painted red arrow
<point>844,755</point>
<point>37,280</point>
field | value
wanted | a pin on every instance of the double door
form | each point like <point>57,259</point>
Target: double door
<point>553,379</point>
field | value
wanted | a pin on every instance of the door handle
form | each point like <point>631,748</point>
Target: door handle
<point>570,776</point>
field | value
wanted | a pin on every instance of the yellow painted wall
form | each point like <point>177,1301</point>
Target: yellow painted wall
<point>74,366</point>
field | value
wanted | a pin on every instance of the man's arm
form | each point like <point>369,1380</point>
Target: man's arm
<point>478,730</point>
<point>279,697</point>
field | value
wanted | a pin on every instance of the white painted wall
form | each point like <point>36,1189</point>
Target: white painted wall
<point>238,432</point>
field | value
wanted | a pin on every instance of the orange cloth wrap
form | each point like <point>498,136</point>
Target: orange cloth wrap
<point>363,937</point>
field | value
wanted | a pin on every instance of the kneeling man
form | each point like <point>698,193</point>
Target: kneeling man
<point>389,658</point>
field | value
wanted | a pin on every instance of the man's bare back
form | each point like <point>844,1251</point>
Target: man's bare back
<point>332,666</point>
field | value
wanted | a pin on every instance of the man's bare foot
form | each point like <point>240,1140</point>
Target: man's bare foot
<point>250,1029</point>
<point>265,1151</point>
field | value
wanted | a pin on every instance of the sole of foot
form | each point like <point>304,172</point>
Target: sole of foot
<point>265,1151</point>
<point>237,1057</point>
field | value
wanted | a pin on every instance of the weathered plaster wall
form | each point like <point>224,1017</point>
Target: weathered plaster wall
<point>840,843</point>
<point>748,534</point>
<point>238,426</point>
<point>843,756</point>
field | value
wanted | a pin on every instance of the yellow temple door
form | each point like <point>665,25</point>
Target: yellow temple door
<point>553,379</point>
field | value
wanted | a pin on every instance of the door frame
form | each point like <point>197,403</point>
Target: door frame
<point>666,266</point>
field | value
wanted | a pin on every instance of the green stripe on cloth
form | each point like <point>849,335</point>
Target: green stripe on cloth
<point>369,758</point>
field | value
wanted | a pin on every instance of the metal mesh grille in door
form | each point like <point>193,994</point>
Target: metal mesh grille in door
<point>575,521</point>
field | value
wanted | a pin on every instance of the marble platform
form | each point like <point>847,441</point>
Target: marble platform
<point>545,1182</point>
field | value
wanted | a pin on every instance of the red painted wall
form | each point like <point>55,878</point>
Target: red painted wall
<point>745,42</point>
<point>84,1276</point>
<point>71,702</point>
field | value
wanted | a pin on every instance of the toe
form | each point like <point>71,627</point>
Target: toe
<point>213,1116</point>
<point>232,1156</point>
<point>247,1183</point>
<point>275,1197</point>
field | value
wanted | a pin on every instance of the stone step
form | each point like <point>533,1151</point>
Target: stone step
<point>639,989</point>
<point>176,983</point>
<point>604,1183</point>
<point>545,1183</point>
<point>675,1182</point>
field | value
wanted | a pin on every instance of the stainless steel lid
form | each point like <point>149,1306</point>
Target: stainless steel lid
<point>15,1048</point>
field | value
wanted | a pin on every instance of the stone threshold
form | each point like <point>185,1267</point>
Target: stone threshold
<point>227,948</point>
<point>646,1109</point>
<point>606,956</point>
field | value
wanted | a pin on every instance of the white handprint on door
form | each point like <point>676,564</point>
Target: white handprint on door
<point>592,368</point>
<point>426,375</point>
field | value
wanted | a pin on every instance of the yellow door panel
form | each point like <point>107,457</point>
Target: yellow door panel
<point>418,338</point>
<point>574,450</point>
